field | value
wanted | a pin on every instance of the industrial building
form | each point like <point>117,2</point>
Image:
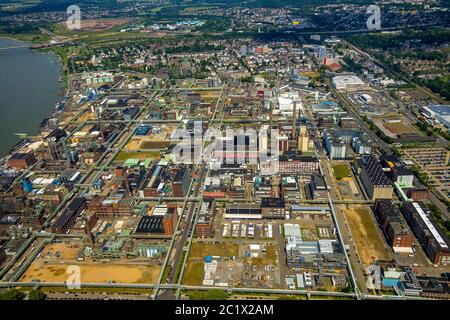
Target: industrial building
<point>67,219</point>
<point>164,222</point>
<point>335,146</point>
<point>439,112</point>
<point>362,144</point>
<point>427,232</point>
<point>349,82</point>
<point>348,123</point>
<point>181,182</point>
<point>373,178</point>
<point>317,187</point>
<point>297,164</point>
<point>21,160</point>
<point>273,208</point>
<point>393,226</point>
<point>243,211</point>
<point>336,142</point>
<point>305,253</point>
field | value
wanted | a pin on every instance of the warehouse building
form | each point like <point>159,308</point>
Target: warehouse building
<point>243,211</point>
<point>346,83</point>
<point>296,164</point>
<point>181,182</point>
<point>373,178</point>
<point>393,226</point>
<point>67,219</point>
<point>362,144</point>
<point>317,187</point>
<point>335,145</point>
<point>439,112</point>
<point>21,160</point>
<point>427,232</point>
<point>273,208</point>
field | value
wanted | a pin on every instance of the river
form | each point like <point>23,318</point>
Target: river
<point>29,90</point>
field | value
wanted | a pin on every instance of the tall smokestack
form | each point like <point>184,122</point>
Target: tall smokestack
<point>127,183</point>
<point>294,121</point>
<point>99,118</point>
<point>270,115</point>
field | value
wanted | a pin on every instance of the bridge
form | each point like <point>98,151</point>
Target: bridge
<point>35,46</point>
<point>14,48</point>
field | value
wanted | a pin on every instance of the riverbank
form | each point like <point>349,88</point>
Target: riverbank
<point>29,90</point>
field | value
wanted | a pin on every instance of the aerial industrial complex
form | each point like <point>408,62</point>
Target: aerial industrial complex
<point>250,166</point>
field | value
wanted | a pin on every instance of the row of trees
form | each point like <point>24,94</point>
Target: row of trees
<point>15,294</point>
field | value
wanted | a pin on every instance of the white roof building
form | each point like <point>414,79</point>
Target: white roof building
<point>347,82</point>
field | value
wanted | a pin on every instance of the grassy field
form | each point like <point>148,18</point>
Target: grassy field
<point>341,171</point>
<point>194,273</point>
<point>154,144</point>
<point>271,253</point>
<point>365,234</point>
<point>124,155</point>
<point>201,250</point>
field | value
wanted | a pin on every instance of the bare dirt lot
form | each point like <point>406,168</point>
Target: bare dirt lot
<point>397,127</point>
<point>100,273</point>
<point>368,241</point>
<point>64,251</point>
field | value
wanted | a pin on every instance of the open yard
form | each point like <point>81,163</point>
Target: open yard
<point>124,155</point>
<point>157,144</point>
<point>397,128</point>
<point>120,273</point>
<point>368,241</point>
<point>61,250</point>
<point>194,272</point>
<point>201,250</point>
<point>194,269</point>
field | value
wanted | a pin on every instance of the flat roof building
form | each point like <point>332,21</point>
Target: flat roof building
<point>393,226</point>
<point>345,83</point>
<point>373,178</point>
<point>243,211</point>
<point>428,234</point>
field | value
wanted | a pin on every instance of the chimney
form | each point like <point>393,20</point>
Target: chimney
<point>99,118</point>
<point>270,115</point>
<point>127,183</point>
<point>294,121</point>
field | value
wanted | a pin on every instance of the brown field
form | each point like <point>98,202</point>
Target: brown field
<point>67,252</point>
<point>133,144</point>
<point>102,24</point>
<point>365,234</point>
<point>397,128</point>
<point>100,273</point>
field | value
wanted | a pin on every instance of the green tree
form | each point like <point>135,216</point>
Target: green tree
<point>12,294</point>
<point>214,294</point>
<point>36,294</point>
